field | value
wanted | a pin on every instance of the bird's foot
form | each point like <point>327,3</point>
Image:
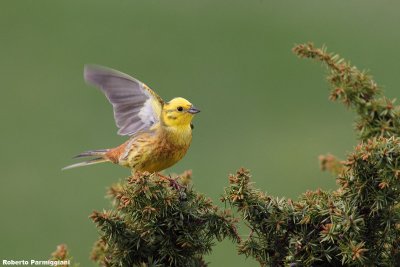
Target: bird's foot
<point>172,181</point>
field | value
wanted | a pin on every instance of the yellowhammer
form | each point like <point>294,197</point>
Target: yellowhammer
<point>160,132</point>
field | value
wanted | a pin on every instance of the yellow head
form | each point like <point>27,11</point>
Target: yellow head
<point>178,112</point>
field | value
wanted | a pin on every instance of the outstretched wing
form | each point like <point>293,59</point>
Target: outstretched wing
<point>136,106</point>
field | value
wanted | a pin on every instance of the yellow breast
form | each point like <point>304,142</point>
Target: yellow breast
<point>156,152</point>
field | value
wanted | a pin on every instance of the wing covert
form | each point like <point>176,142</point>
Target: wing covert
<point>136,107</point>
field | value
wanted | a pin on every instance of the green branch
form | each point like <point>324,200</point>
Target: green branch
<point>377,115</point>
<point>156,224</point>
<point>356,225</point>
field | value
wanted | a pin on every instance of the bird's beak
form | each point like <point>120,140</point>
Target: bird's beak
<point>193,110</point>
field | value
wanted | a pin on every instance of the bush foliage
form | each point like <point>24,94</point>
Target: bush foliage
<point>157,222</point>
<point>356,225</point>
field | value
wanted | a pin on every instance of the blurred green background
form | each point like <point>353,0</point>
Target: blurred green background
<point>262,107</point>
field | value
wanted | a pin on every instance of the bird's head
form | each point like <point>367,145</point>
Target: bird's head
<point>178,112</point>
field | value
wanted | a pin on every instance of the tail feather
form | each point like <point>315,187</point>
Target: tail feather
<point>91,153</point>
<point>85,163</point>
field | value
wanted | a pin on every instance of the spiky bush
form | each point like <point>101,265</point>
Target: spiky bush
<point>158,223</point>
<point>356,225</point>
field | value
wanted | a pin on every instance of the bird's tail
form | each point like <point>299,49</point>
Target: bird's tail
<point>100,155</point>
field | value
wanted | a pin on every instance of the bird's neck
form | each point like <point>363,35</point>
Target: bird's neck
<point>178,135</point>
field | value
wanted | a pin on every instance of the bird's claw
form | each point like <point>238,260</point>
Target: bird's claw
<point>172,181</point>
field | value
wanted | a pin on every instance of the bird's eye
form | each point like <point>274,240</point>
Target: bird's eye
<point>180,108</point>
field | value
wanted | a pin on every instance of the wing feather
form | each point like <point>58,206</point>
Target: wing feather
<point>136,107</point>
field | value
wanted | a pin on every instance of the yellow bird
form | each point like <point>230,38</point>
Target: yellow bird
<point>160,132</point>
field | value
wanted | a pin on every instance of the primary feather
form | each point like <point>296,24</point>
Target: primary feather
<point>136,106</point>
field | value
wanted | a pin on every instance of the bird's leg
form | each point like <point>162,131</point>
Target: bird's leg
<point>163,176</point>
<point>172,182</point>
